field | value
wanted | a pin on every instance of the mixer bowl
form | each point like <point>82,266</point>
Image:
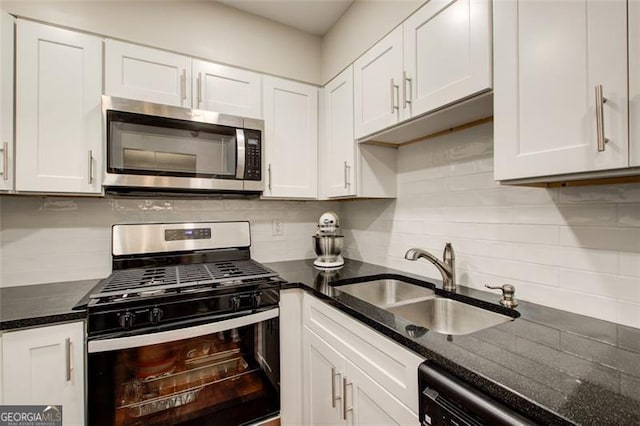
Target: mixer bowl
<point>328,247</point>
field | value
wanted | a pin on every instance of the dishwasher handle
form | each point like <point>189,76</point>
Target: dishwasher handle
<point>447,400</point>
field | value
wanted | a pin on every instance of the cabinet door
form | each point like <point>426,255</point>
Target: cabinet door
<point>368,403</point>
<point>549,59</point>
<point>6,101</point>
<point>338,145</point>
<point>58,110</point>
<point>634,82</point>
<point>377,80</point>
<point>145,74</point>
<point>291,138</point>
<point>323,369</point>
<point>227,90</point>
<point>447,54</point>
<point>46,366</point>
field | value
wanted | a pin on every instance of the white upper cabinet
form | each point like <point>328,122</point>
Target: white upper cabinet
<point>291,138</point>
<point>44,366</point>
<point>377,81</point>
<point>551,59</point>
<point>58,110</point>
<point>338,147</point>
<point>634,81</point>
<point>6,101</point>
<point>145,74</point>
<point>439,56</point>
<point>447,54</point>
<point>152,75</point>
<point>227,90</point>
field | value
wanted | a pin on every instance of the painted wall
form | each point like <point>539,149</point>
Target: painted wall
<point>65,239</point>
<point>576,249</point>
<point>204,29</point>
<point>361,26</point>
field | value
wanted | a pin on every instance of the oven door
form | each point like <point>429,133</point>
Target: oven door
<point>223,372</point>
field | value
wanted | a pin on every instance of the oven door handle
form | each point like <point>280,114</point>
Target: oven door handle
<point>118,343</point>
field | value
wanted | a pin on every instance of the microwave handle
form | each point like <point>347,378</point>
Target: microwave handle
<point>241,150</point>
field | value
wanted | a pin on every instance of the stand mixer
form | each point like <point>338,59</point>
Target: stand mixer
<point>327,243</point>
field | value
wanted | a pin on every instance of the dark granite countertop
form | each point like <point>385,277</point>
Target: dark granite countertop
<point>554,366</point>
<point>42,304</point>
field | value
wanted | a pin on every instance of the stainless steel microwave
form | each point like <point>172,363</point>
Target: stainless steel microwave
<point>167,148</point>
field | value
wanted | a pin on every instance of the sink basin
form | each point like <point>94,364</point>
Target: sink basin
<point>425,308</point>
<point>387,293</point>
<point>448,316</point>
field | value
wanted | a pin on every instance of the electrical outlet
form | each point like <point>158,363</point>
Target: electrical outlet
<point>277,227</point>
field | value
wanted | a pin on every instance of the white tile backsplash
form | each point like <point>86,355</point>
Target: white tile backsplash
<point>575,248</point>
<point>64,239</point>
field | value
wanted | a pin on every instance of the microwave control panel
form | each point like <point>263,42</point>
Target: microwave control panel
<point>253,158</point>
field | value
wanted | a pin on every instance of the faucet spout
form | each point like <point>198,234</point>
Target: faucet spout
<point>446,267</point>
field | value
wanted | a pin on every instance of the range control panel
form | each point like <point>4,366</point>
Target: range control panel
<point>187,234</point>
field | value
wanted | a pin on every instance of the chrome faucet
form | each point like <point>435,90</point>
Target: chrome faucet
<point>446,266</point>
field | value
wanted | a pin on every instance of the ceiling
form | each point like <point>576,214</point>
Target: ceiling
<point>311,16</point>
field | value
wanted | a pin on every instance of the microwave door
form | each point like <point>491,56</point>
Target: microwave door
<point>153,152</point>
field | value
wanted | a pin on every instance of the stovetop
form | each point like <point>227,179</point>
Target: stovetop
<point>128,284</point>
<point>167,275</point>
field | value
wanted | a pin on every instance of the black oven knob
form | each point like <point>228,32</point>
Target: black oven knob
<point>255,300</point>
<point>234,303</point>
<point>126,320</point>
<point>155,315</point>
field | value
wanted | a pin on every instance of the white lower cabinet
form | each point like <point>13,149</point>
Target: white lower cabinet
<point>353,375</point>
<point>324,368</point>
<point>337,392</point>
<point>45,366</point>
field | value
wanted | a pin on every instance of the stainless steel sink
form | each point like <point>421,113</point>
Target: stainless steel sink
<point>448,316</point>
<point>425,308</point>
<point>387,293</point>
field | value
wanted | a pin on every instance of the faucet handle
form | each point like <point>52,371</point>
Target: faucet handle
<point>508,292</point>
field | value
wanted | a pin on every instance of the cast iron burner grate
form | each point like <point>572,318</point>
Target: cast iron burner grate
<point>147,280</point>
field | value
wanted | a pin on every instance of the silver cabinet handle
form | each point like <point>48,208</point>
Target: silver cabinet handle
<point>269,176</point>
<point>395,93</point>
<point>345,410</point>
<point>90,166</point>
<point>183,85</point>
<point>600,101</point>
<point>347,170</point>
<point>334,397</point>
<point>199,89</point>
<point>5,160</point>
<point>406,97</point>
<point>69,367</point>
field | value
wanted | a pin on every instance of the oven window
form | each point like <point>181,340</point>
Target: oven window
<point>230,377</point>
<point>139,144</point>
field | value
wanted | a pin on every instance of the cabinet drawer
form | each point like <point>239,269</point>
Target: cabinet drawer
<point>389,364</point>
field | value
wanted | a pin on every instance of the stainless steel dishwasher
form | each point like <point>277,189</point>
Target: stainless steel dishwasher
<point>447,400</point>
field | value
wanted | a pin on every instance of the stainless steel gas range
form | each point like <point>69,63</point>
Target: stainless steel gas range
<point>185,330</point>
